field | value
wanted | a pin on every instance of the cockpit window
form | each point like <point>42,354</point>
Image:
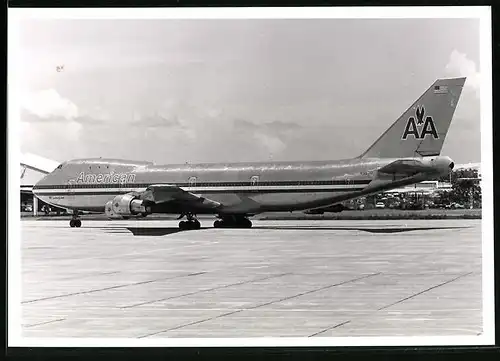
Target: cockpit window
<point>59,166</point>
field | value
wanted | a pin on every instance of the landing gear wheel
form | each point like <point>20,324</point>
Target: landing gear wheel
<point>233,222</point>
<point>189,225</point>
<point>75,221</point>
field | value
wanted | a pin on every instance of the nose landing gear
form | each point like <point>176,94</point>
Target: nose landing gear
<point>75,220</point>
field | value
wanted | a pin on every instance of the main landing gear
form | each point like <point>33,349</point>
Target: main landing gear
<point>233,222</point>
<point>190,224</point>
<point>75,221</point>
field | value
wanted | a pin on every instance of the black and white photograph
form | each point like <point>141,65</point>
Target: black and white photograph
<point>250,177</point>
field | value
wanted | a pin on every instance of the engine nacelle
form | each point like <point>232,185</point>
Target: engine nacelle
<point>127,205</point>
<point>442,164</point>
<point>108,210</point>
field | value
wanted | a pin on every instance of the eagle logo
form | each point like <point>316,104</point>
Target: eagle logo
<point>418,127</point>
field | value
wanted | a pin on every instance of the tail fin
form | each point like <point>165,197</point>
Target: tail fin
<point>422,128</point>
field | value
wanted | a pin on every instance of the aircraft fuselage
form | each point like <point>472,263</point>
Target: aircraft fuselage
<point>241,188</point>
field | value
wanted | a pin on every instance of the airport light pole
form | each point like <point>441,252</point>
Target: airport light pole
<point>471,197</point>
<point>35,206</point>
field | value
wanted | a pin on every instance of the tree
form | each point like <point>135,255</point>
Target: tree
<point>463,184</point>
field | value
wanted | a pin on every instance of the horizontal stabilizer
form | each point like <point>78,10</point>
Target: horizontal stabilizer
<point>404,167</point>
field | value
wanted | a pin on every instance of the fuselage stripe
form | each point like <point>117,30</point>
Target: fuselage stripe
<point>260,184</point>
<point>57,192</point>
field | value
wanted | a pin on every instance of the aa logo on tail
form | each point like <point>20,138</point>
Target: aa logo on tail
<point>418,127</point>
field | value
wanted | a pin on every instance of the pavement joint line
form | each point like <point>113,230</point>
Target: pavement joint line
<point>414,295</point>
<point>191,323</point>
<point>110,288</point>
<point>260,305</point>
<point>43,323</point>
<point>286,310</point>
<point>426,290</point>
<point>89,275</point>
<point>312,291</point>
<point>330,328</point>
<point>208,290</point>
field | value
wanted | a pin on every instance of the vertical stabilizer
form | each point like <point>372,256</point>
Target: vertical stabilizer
<point>422,128</point>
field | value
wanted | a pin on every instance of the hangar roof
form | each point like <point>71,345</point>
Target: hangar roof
<point>37,163</point>
<point>34,168</point>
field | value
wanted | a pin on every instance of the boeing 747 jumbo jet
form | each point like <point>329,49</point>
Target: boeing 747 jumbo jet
<point>406,153</point>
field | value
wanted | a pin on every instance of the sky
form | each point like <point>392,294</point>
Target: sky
<point>177,91</point>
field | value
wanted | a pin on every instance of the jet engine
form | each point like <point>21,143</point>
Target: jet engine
<point>441,164</point>
<point>108,210</point>
<point>127,205</point>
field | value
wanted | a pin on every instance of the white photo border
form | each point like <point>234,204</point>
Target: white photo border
<point>483,13</point>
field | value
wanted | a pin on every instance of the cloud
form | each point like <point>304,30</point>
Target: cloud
<point>279,126</point>
<point>157,121</point>
<point>273,144</point>
<point>274,136</point>
<point>28,117</point>
<point>276,127</point>
<point>460,65</point>
<point>48,103</point>
<point>51,123</point>
<point>51,138</point>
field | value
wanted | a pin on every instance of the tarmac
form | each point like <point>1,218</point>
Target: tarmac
<point>145,279</point>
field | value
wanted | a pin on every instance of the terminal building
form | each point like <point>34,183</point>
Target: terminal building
<point>33,168</point>
<point>426,187</point>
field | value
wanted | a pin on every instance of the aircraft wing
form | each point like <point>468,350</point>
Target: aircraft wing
<point>161,193</point>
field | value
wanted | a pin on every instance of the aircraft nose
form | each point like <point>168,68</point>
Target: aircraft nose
<point>39,184</point>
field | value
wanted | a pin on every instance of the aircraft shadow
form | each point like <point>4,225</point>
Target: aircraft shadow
<point>163,231</point>
<point>158,231</point>
<point>364,229</point>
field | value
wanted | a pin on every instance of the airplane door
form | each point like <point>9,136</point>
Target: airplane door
<point>70,189</point>
<point>254,181</point>
<point>348,179</point>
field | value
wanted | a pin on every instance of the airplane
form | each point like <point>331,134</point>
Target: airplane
<point>407,152</point>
